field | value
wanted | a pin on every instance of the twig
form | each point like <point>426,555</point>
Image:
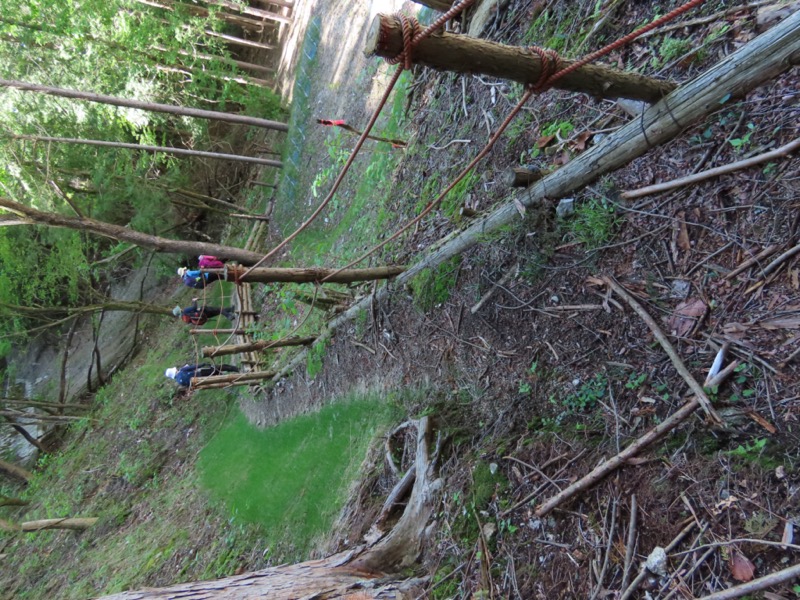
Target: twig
<point>756,585</point>
<point>512,272</point>
<point>752,260</point>
<point>629,547</point>
<point>538,490</point>
<point>703,175</point>
<point>450,143</point>
<point>707,19</point>
<point>530,466</point>
<point>705,403</point>
<point>640,444</point>
<point>778,261</point>
<point>643,570</point>
<point>603,569</point>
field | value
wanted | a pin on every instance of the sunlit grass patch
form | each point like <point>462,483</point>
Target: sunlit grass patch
<point>292,478</point>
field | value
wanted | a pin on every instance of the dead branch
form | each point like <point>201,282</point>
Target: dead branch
<point>668,348</point>
<point>752,260</point>
<point>643,442</point>
<point>762,583</point>
<point>715,172</point>
<point>780,260</point>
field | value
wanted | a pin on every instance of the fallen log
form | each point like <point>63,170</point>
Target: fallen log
<point>463,54</point>
<point>212,351</point>
<point>218,381</point>
<point>309,275</point>
<point>522,177</point>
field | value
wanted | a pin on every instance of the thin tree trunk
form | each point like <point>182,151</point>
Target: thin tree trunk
<point>220,381</point>
<point>165,149</point>
<point>464,54</point>
<point>250,10</point>
<point>75,524</point>
<point>237,41</point>
<point>26,434</point>
<point>123,234</point>
<point>10,501</point>
<point>15,472</point>
<point>229,61</point>
<point>198,11</point>
<point>310,275</point>
<point>212,351</point>
<point>148,106</point>
<point>46,312</point>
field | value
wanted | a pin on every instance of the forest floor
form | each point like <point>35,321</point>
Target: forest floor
<point>551,374</point>
<point>533,387</point>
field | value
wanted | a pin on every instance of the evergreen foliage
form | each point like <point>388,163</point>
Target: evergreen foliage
<point>112,47</point>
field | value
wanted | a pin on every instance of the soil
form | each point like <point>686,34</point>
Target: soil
<point>553,373</point>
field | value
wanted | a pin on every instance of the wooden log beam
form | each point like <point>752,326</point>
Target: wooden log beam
<point>76,524</point>
<point>463,54</point>
<point>217,331</point>
<point>212,351</point>
<point>309,275</point>
<point>522,177</point>
<point>217,381</point>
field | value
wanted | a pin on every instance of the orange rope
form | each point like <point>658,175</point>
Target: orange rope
<point>409,42</point>
<point>541,84</point>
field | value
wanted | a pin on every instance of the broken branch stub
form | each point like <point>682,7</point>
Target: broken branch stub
<point>452,52</point>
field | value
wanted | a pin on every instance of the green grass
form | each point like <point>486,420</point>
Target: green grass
<point>118,464</point>
<point>292,479</point>
<point>354,216</point>
<point>594,224</point>
<point>433,286</point>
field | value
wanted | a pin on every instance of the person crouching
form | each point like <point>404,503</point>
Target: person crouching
<point>183,376</point>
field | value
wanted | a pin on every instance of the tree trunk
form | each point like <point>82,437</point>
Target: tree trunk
<point>25,434</point>
<point>252,11</point>
<point>237,41</point>
<point>228,61</point>
<point>361,572</point>
<point>310,275</point>
<point>212,351</point>
<point>197,11</point>
<point>165,149</point>
<point>460,53</point>
<point>123,234</point>
<point>47,312</point>
<point>148,106</point>
<point>15,472</point>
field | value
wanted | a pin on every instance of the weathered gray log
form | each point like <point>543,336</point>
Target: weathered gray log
<point>76,524</point>
<point>463,54</point>
<point>212,351</point>
<point>522,177</point>
<point>219,381</point>
<point>760,60</point>
<point>310,275</point>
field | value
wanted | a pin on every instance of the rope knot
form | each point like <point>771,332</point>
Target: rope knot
<point>411,31</point>
<point>551,64</point>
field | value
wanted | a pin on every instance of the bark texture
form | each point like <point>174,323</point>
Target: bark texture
<point>463,54</point>
<point>212,351</point>
<point>311,275</point>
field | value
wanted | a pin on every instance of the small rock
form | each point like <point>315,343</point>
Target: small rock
<point>492,468</point>
<point>657,561</point>
<point>566,207</point>
<point>680,289</point>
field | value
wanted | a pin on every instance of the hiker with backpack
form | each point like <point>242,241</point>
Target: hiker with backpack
<point>194,278</point>
<point>183,376</point>
<point>199,315</point>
